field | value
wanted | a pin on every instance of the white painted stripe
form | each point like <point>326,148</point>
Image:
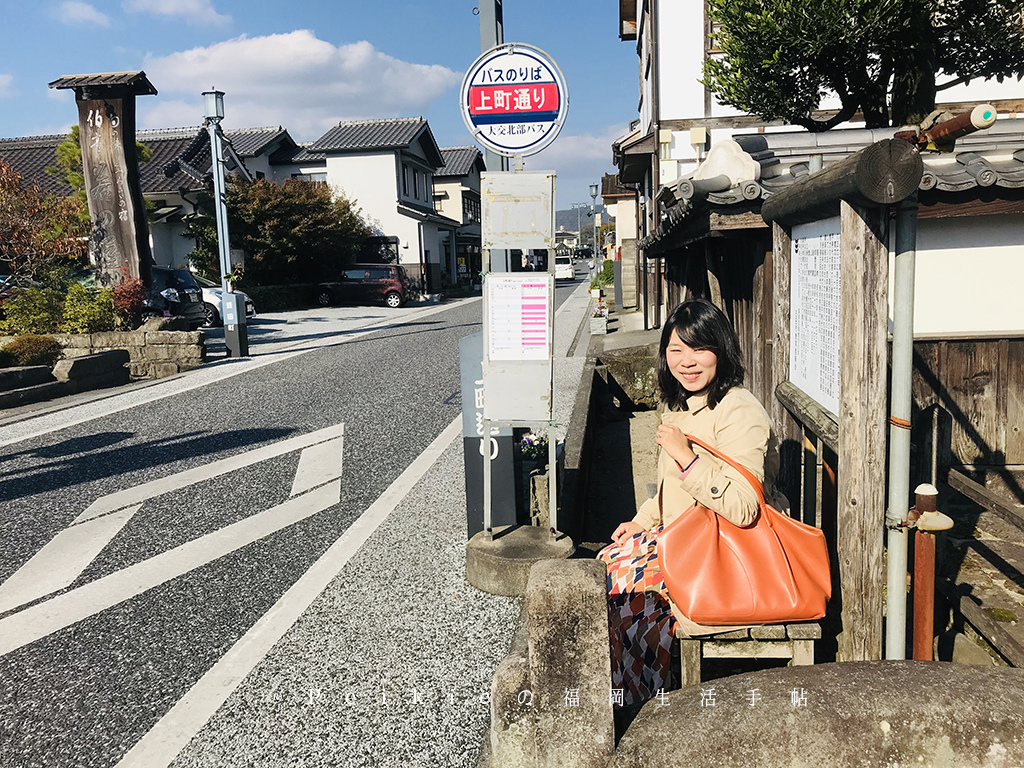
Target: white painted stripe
<point>63,559</point>
<point>207,375</point>
<point>318,464</point>
<point>159,747</point>
<point>42,619</point>
<point>162,485</point>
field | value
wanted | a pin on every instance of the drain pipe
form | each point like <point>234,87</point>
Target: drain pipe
<point>899,428</point>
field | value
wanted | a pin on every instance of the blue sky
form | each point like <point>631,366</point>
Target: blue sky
<point>306,65</point>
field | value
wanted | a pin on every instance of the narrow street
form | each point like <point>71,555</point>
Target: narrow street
<point>143,543</point>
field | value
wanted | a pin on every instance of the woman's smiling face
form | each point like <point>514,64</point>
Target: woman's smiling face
<point>693,368</point>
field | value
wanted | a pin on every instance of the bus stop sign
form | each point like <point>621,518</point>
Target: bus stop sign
<point>514,99</point>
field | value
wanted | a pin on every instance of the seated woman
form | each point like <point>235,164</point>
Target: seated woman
<point>699,376</point>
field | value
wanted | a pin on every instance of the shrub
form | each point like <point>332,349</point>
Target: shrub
<point>7,359</point>
<point>32,349</point>
<point>33,310</point>
<point>605,277</point>
<point>88,311</point>
<point>127,297</point>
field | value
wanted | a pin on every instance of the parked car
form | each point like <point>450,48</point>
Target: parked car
<point>174,292</point>
<point>564,269</point>
<point>367,284</point>
<point>213,303</point>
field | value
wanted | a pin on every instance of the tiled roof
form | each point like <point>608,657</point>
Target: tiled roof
<point>135,81</point>
<point>31,156</point>
<point>391,133</point>
<point>992,159</point>
<point>301,154</point>
<point>460,161</point>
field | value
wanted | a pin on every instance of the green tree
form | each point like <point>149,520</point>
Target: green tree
<point>293,232</point>
<point>780,58</point>
<point>41,236</point>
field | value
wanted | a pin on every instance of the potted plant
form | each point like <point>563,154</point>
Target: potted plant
<point>599,319</point>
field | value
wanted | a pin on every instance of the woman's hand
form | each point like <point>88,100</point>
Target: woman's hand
<point>674,443</point>
<point>625,531</point>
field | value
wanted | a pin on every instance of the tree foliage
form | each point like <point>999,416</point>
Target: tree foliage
<point>294,232</point>
<point>780,58</point>
<point>42,237</point>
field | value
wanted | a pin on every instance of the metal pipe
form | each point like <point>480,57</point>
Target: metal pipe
<point>899,427</point>
<point>924,576</point>
<point>220,204</point>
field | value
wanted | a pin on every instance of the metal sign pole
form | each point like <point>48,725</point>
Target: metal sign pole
<point>485,447</point>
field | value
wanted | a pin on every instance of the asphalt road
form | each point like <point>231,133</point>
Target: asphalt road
<point>120,632</point>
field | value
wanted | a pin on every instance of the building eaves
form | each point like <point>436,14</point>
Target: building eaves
<point>354,135</point>
<point>134,82</point>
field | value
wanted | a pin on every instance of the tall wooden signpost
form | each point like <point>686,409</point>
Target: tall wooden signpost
<point>831,248</point>
<point>119,242</point>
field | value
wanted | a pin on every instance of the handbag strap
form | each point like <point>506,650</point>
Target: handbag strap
<point>746,473</point>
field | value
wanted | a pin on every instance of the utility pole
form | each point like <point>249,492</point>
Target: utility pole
<point>492,33</point>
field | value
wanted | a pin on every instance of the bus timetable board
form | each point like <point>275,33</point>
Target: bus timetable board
<point>814,311</point>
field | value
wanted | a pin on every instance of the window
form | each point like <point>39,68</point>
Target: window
<point>415,183</point>
<point>470,209</point>
<point>405,180</point>
<point>260,175</point>
<point>320,177</point>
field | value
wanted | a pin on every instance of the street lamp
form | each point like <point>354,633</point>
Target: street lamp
<point>232,308</point>
<point>578,206</point>
<point>593,198</point>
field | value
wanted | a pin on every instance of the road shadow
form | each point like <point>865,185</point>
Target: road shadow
<point>85,460</point>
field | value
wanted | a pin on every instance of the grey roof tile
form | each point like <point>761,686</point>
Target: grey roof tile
<point>460,161</point>
<point>389,133</point>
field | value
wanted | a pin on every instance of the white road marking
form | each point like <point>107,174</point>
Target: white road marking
<point>317,465</point>
<point>140,493</point>
<point>42,619</point>
<point>63,559</point>
<point>70,552</point>
<point>159,747</point>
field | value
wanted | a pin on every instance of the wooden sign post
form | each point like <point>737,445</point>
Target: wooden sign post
<point>119,242</point>
<point>859,191</point>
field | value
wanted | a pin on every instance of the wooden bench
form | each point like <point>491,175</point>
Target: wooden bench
<point>771,641</point>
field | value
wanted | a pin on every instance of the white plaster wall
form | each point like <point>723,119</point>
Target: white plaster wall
<point>284,171</point>
<point>369,181</point>
<point>969,276</point>
<point>450,206</point>
<point>680,58</point>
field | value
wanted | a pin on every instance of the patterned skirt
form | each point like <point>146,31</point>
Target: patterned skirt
<point>640,618</point>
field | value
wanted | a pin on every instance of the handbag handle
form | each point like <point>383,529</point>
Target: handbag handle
<point>746,473</point>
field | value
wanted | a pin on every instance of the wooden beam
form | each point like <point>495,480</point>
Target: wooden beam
<point>786,430</point>
<point>881,174</point>
<point>994,633</point>
<point>979,494</point>
<point>809,413</point>
<point>862,430</point>
<point>747,220</point>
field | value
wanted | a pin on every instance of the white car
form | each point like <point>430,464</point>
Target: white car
<point>213,304</point>
<point>564,269</point>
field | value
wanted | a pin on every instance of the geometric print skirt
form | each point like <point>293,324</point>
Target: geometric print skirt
<point>640,618</point>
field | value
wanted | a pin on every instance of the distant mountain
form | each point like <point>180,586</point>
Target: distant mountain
<point>567,219</point>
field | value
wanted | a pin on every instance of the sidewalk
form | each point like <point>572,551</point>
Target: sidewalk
<point>389,660</point>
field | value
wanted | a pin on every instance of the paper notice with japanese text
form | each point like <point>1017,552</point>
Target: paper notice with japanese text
<point>519,317</point>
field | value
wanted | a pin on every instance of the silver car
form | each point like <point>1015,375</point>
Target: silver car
<point>213,302</point>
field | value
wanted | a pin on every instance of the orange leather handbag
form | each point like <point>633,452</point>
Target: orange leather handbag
<point>716,572</point>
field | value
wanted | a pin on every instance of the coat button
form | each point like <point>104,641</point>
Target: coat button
<point>714,489</point>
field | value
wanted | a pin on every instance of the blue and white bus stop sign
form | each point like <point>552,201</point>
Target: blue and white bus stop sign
<point>514,99</point>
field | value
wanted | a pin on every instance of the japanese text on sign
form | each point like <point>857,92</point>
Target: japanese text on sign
<point>814,311</point>
<point>519,319</point>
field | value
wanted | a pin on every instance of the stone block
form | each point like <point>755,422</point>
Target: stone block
<point>165,324</point>
<point>74,340</point>
<point>634,372</point>
<point>87,366</point>
<point>73,352</point>
<point>161,352</point>
<point>111,339</point>
<point>878,713</point>
<point>161,370</point>
<point>569,656</point>
<point>188,363</point>
<point>172,337</point>
<point>139,370</point>
<point>501,565</point>
<point>24,376</point>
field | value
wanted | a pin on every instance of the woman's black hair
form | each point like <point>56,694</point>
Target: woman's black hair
<point>700,325</point>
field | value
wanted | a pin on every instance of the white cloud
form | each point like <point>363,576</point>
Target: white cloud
<point>295,80</point>
<point>6,86</point>
<point>78,12</point>
<point>192,11</point>
<point>579,162</point>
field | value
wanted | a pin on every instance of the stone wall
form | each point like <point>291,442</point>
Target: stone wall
<point>153,351</point>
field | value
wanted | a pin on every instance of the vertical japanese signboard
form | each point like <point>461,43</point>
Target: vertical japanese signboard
<point>514,99</point>
<point>814,311</point>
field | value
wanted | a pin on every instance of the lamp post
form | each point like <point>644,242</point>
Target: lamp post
<point>236,338</point>
<point>593,198</point>
<point>578,206</point>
